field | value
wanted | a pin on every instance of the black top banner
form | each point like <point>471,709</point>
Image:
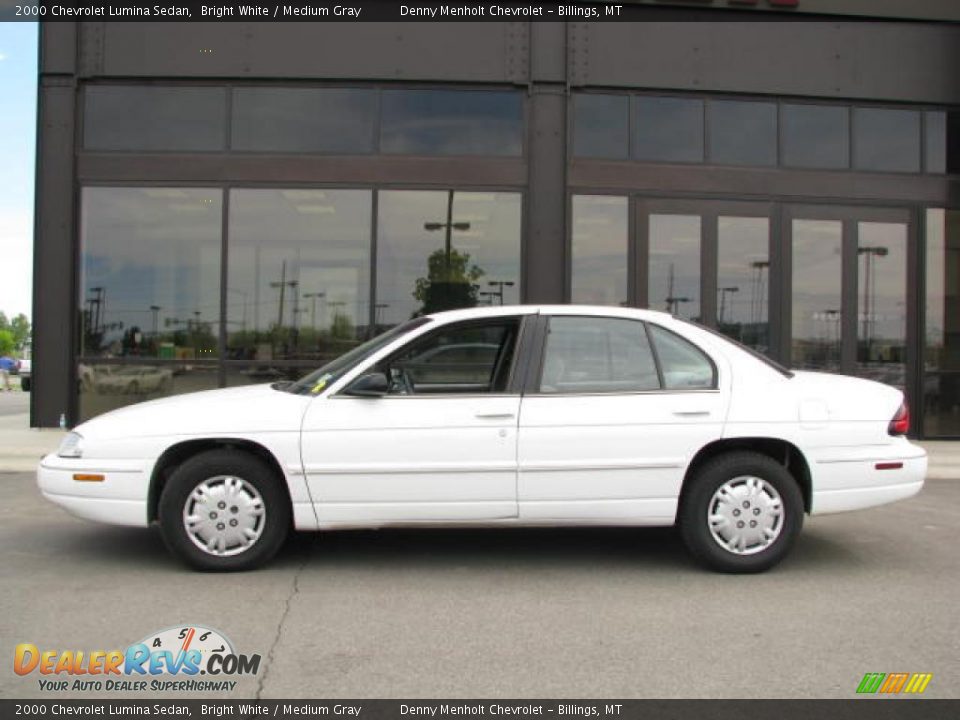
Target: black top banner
<point>373,11</point>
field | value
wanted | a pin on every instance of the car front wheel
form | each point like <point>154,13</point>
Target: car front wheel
<point>741,513</point>
<point>224,510</point>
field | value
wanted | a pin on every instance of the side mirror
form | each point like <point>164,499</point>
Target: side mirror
<point>374,384</point>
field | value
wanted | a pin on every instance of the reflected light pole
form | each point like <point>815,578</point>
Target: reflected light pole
<point>724,291</point>
<point>448,226</point>
<point>500,285</point>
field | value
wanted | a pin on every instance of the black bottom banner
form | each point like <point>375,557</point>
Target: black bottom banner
<point>853,709</point>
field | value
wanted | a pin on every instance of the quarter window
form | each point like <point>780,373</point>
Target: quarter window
<point>597,355</point>
<point>684,366</point>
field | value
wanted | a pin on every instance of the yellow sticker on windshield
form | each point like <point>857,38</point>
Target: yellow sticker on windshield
<point>320,384</point>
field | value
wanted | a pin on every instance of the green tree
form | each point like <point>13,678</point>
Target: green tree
<point>448,286</point>
<point>19,329</point>
<point>7,345</point>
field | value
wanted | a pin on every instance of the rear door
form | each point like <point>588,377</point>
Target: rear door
<point>611,420</point>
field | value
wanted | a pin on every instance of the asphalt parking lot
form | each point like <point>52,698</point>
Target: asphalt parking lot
<point>508,613</point>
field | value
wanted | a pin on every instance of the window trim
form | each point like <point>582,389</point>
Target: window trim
<point>539,354</point>
<point>511,390</point>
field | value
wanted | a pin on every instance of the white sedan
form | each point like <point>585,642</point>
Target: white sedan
<point>582,416</point>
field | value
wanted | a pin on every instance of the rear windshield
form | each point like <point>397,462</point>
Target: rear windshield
<point>786,372</point>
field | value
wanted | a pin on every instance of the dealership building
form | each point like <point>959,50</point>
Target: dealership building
<point>221,204</point>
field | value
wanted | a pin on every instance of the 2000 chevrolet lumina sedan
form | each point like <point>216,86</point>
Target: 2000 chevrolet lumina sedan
<point>560,415</point>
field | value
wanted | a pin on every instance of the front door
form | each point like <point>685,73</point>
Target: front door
<point>440,446</point>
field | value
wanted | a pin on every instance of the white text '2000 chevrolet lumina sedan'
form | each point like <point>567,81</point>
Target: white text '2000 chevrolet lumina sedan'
<point>560,415</point>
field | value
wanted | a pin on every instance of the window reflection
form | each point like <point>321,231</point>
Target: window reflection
<point>743,280</point>
<point>667,129</point>
<point>151,273</point>
<point>448,122</point>
<point>882,302</point>
<point>743,133</point>
<point>600,126</point>
<point>941,358</point>
<point>148,118</point>
<point>887,140</point>
<point>816,136</point>
<point>303,119</point>
<point>299,285</point>
<point>816,326</point>
<point>108,386</point>
<point>674,284</point>
<point>599,250</point>
<point>443,250</point>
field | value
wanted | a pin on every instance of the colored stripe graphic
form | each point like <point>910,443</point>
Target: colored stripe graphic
<point>871,682</point>
<point>918,683</point>
<point>894,683</point>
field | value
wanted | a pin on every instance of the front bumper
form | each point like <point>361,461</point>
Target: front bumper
<point>120,499</point>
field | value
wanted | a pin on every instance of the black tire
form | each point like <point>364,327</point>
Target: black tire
<point>699,495</point>
<point>276,519</point>
<point>25,384</point>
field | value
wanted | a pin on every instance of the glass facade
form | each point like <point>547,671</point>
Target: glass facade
<point>298,277</point>
<point>449,122</point>
<point>184,288</point>
<point>667,129</point>
<point>815,136</point>
<point>599,250</point>
<point>313,120</point>
<point>298,292</point>
<point>149,293</point>
<point>941,354</point>
<point>817,298</point>
<point>674,275</point>
<point>443,250</point>
<point>765,133</point>
<point>743,280</point>
<point>742,133</point>
<point>168,118</point>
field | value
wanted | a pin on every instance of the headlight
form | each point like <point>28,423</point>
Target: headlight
<point>71,446</point>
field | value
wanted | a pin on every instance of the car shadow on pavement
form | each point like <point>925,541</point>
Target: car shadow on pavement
<point>438,550</point>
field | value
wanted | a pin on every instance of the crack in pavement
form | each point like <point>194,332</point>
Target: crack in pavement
<point>294,591</point>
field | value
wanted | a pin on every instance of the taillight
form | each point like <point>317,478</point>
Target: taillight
<point>900,425</point>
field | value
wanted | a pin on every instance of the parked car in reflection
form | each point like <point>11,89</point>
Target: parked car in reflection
<point>132,380</point>
<point>560,415</point>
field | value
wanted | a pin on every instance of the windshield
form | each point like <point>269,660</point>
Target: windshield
<point>319,379</point>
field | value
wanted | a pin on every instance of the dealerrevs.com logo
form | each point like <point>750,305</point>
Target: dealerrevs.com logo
<point>168,660</point>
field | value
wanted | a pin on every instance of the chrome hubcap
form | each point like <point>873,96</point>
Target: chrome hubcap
<point>745,515</point>
<point>224,515</point>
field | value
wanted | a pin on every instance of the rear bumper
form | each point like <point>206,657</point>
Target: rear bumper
<point>120,499</point>
<point>841,484</point>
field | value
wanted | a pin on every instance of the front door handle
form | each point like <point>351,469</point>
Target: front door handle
<point>494,416</point>
<point>691,413</point>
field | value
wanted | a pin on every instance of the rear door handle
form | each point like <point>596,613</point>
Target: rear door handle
<point>692,413</point>
<point>494,416</point>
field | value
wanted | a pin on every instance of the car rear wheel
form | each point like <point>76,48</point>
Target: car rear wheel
<point>224,510</point>
<point>741,513</point>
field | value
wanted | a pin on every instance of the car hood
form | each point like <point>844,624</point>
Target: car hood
<point>242,411</point>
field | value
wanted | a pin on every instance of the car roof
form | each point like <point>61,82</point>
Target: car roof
<point>597,310</point>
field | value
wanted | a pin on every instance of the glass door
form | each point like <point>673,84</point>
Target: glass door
<point>845,284</point>
<point>707,261</point>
